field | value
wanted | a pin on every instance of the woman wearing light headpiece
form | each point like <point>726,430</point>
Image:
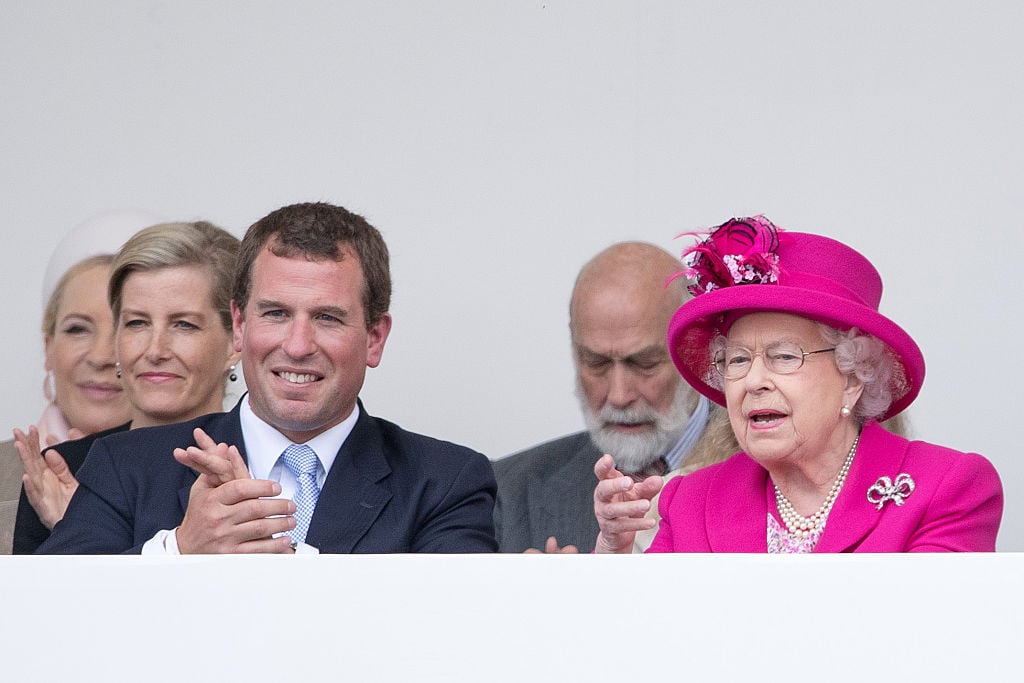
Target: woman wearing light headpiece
<point>784,331</point>
<point>82,393</point>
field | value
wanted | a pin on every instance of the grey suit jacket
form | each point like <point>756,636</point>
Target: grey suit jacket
<point>547,490</point>
<point>11,470</point>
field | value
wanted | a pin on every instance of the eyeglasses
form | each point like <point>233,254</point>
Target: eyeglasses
<point>782,358</point>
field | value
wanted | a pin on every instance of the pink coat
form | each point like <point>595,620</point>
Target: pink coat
<point>956,505</point>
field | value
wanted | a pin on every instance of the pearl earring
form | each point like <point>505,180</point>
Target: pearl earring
<point>117,369</point>
<point>845,411</point>
<point>233,376</point>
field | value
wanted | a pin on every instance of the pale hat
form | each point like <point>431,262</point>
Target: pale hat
<point>102,234</point>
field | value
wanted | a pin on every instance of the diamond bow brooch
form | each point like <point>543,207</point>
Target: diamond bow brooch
<point>886,489</point>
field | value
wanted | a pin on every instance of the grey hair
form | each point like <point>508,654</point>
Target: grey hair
<point>857,354</point>
<point>867,358</point>
<point>711,376</point>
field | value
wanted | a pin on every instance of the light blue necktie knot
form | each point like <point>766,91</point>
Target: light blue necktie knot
<point>302,461</point>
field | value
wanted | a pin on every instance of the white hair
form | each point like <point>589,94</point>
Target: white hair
<point>867,358</point>
<point>635,452</point>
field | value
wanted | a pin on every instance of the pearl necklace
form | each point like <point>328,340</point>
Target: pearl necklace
<point>801,526</point>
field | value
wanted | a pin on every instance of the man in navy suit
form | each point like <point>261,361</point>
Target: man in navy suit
<point>310,311</point>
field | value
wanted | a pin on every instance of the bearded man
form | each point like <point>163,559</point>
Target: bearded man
<point>635,405</point>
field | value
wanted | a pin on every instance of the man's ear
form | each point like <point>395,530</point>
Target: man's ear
<point>376,336</point>
<point>237,326</point>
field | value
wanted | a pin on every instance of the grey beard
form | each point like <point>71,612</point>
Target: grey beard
<point>635,452</point>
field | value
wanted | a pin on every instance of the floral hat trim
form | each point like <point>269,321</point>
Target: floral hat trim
<point>741,251</point>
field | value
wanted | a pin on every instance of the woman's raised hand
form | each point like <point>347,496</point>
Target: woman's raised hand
<point>48,482</point>
<point>620,505</point>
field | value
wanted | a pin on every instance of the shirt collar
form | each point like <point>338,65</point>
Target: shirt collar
<point>264,444</point>
<point>690,436</point>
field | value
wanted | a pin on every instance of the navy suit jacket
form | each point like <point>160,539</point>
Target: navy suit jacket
<point>389,491</point>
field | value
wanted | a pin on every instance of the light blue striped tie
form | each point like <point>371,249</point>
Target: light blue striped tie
<point>301,461</point>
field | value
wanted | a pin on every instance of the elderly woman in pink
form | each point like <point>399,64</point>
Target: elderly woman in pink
<point>784,331</point>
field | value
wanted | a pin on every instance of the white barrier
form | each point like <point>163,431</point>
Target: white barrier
<point>513,618</point>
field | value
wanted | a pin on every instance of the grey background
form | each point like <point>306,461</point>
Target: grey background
<point>498,145</point>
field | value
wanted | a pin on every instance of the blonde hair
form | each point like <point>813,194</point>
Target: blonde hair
<point>170,245</point>
<point>57,297</point>
<point>716,443</point>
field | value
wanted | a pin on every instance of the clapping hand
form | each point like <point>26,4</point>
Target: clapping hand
<point>552,548</point>
<point>48,482</point>
<point>218,462</point>
<point>229,511</point>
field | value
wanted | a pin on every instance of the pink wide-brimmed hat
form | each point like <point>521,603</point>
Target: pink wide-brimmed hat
<point>747,265</point>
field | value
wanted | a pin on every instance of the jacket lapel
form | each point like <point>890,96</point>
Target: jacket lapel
<point>354,493</point>
<point>879,453</point>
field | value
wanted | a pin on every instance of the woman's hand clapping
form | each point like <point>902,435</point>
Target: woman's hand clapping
<point>48,482</point>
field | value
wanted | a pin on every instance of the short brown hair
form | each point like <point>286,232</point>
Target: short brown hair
<point>169,245</point>
<point>314,231</point>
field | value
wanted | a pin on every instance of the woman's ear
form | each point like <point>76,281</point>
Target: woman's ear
<point>852,392</point>
<point>233,356</point>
